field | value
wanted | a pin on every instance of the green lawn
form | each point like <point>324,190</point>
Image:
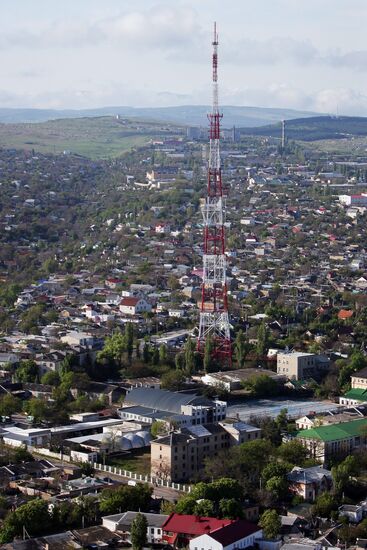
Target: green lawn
<point>138,463</point>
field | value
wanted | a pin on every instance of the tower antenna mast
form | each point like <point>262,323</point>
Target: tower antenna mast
<point>214,320</point>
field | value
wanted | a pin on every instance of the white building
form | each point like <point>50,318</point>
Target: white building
<point>121,523</point>
<point>353,200</point>
<point>236,535</point>
<point>132,305</point>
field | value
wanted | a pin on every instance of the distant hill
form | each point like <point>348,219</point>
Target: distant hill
<point>191,115</point>
<point>313,128</point>
<point>98,137</point>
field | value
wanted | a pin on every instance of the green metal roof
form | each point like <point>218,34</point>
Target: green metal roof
<point>357,393</point>
<point>344,430</point>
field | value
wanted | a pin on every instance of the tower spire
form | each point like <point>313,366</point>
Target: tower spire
<point>214,320</point>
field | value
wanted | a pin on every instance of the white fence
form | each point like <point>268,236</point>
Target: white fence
<point>142,478</point>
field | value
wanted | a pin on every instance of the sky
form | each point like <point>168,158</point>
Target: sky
<point>299,54</point>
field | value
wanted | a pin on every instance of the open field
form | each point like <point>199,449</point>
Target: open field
<point>139,463</point>
<point>96,138</point>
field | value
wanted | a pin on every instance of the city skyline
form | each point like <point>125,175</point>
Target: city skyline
<point>148,53</point>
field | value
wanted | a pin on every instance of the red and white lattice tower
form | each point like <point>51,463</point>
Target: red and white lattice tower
<point>214,321</point>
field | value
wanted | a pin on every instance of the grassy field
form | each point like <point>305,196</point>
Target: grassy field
<point>139,463</point>
<point>353,145</point>
<point>96,138</point>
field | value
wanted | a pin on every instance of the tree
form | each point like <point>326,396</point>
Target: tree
<point>172,380</point>
<point>129,339</point>
<point>324,505</point>
<point>163,354</point>
<point>180,361</point>
<point>269,428</point>
<point>293,452</point>
<point>343,472</point>
<point>262,340</point>
<point>125,498</point>
<point>146,352</point>
<point>270,524</point>
<point>282,419</point>
<point>204,508</point>
<point>139,528</point>
<point>262,385</point>
<point>27,371</point>
<point>158,428</point>
<point>186,505</point>
<point>278,486</point>
<point>208,355</point>
<point>33,516</point>
<point>51,378</point>
<point>9,405</point>
<point>241,348</point>
<point>357,362</point>
<point>113,349</point>
<point>275,469</point>
<point>230,508</point>
<point>37,408</point>
<point>190,356</point>
<point>155,356</point>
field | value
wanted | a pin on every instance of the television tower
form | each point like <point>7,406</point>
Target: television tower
<point>214,320</point>
<point>283,134</point>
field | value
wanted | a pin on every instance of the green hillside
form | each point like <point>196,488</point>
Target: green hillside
<point>313,128</point>
<point>190,115</point>
<point>100,137</point>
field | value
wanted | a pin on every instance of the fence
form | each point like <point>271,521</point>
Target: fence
<point>47,452</point>
<point>142,478</point>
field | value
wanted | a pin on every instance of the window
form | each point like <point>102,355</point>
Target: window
<point>152,530</point>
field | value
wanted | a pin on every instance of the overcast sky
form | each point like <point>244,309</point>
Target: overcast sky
<point>302,54</point>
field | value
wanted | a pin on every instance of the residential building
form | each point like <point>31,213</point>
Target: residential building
<point>179,456</point>
<point>353,512</point>
<point>353,200</point>
<point>309,482</point>
<point>180,529</point>
<point>238,534</point>
<point>359,379</point>
<point>121,523</point>
<point>337,440</point>
<point>300,366</point>
<point>132,305</point>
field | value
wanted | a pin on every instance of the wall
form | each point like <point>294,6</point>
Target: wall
<point>141,478</point>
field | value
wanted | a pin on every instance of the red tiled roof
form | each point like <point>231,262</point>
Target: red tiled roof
<point>129,301</point>
<point>234,531</point>
<point>345,314</point>
<point>193,525</point>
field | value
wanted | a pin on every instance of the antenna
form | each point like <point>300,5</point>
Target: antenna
<point>214,320</point>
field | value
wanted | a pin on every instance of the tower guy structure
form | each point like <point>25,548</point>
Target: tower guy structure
<point>214,321</point>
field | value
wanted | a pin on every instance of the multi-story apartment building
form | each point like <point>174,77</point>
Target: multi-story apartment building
<point>301,366</point>
<point>179,456</point>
